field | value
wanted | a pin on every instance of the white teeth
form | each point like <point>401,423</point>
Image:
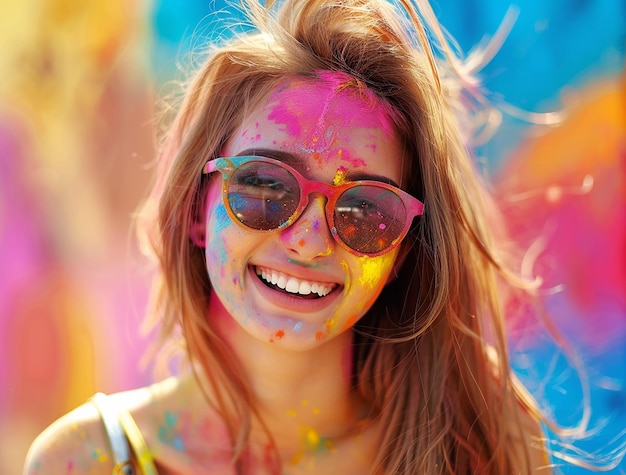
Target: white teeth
<point>305,288</point>
<point>293,285</point>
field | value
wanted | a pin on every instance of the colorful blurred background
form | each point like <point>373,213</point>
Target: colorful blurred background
<point>80,82</point>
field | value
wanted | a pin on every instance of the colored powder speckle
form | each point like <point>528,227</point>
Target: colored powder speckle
<point>277,336</point>
<point>319,335</point>
<point>168,434</point>
<point>81,432</point>
<point>311,444</point>
<point>178,444</point>
<point>301,242</point>
<point>340,176</point>
<point>170,418</point>
<point>329,324</point>
<point>292,412</point>
<point>99,455</point>
<point>312,439</point>
<point>314,443</point>
<point>297,326</point>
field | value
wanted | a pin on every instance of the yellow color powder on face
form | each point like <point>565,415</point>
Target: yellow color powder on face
<point>340,176</point>
<point>374,268</point>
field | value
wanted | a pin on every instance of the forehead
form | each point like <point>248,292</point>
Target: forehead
<point>332,122</point>
<point>332,100</point>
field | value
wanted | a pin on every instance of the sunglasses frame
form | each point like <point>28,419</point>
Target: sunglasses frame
<point>228,165</point>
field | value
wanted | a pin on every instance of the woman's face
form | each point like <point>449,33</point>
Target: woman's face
<point>331,131</point>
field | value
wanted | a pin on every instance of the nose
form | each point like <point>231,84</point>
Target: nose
<point>309,236</point>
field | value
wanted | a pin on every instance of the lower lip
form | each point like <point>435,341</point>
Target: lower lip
<point>291,302</point>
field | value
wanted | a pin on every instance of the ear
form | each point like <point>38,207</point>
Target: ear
<point>197,233</point>
<point>197,227</point>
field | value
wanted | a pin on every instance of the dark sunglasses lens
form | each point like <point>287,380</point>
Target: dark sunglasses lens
<point>263,195</point>
<point>369,218</point>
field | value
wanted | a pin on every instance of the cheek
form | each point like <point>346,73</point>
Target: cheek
<point>368,277</point>
<point>218,248</point>
<point>375,270</point>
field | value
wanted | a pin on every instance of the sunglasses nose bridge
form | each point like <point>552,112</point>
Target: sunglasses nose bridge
<point>311,190</point>
<point>310,201</point>
<point>309,235</point>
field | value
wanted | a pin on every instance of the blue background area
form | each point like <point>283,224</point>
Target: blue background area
<point>554,47</point>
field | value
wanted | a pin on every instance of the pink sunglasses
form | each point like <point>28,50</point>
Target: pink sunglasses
<point>367,217</point>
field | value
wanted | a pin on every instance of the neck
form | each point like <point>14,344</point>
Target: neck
<point>303,397</point>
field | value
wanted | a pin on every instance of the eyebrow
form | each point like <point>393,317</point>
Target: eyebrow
<point>298,162</point>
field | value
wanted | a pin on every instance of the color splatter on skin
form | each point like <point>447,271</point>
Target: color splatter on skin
<point>311,442</point>
<point>277,336</point>
<point>340,176</point>
<point>335,95</point>
<point>331,128</point>
<point>168,432</point>
<point>373,268</point>
<point>100,455</point>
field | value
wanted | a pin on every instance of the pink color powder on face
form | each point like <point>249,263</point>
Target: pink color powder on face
<point>330,104</point>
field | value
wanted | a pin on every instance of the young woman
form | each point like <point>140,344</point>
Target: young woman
<point>327,256</point>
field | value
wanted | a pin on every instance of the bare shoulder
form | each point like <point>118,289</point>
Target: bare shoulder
<point>75,443</point>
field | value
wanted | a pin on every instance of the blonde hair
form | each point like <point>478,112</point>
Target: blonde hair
<point>431,354</point>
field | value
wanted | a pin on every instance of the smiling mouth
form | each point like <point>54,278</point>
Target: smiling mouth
<point>289,284</point>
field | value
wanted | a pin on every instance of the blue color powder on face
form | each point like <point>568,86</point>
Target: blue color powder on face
<point>297,326</point>
<point>222,219</point>
<point>220,222</point>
